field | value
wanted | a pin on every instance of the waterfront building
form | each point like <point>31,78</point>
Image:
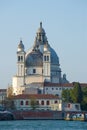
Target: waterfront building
<point>37,102</point>
<point>37,66</point>
<point>43,102</point>
<point>71,106</point>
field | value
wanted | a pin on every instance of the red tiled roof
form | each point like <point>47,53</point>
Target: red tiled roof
<point>83,84</point>
<point>36,96</point>
<point>58,85</point>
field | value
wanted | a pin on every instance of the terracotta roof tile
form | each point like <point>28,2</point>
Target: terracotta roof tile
<point>83,84</point>
<point>58,85</point>
<point>36,96</point>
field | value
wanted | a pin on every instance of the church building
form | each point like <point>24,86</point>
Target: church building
<point>37,66</point>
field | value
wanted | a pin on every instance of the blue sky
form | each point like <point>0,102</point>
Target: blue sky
<point>65,23</point>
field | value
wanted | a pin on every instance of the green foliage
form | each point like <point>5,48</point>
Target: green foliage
<point>76,95</point>
<point>84,101</point>
<point>66,95</point>
<point>33,103</point>
<point>84,91</point>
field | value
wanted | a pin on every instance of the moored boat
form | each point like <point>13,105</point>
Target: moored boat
<point>76,117</point>
<point>6,115</point>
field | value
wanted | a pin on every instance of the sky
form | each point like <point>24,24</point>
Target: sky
<point>65,24</point>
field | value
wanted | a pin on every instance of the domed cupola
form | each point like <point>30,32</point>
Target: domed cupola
<point>46,46</point>
<point>34,58</point>
<point>40,45</point>
<point>20,46</point>
<point>41,36</point>
<point>40,29</point>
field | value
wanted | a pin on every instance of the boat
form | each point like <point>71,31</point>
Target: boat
<point>6,115</point>
<point>76,117</point>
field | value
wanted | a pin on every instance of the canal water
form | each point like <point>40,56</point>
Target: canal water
<point>43,125</point>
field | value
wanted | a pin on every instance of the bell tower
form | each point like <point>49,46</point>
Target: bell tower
<point>47,63</point>
<point>20,59</point>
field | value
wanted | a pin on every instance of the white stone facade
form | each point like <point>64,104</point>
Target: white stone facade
<point>44,102</point>
<point>39,64</point>
<point>56,89</point>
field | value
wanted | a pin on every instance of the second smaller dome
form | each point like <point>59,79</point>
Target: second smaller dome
<point>21,46</point>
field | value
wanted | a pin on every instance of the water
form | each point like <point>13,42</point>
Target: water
<point>43,125</point>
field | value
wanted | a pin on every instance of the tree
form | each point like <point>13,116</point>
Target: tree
<point>76,93</point>
<point>84,101</point>
<point>66,95</point>
<point>33,103</point>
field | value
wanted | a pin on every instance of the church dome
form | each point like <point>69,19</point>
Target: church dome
<point>54,57</point>
<point>34,58</point>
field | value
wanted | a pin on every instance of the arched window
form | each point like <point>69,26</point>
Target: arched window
<point>47,102</point>
<point>44,58</point>
<point>47,58</point>
<point>52,88</point>
<point>42,102</point>
<point>21,103</point>
<point>55,101</point>
<point>34,71</point>
<point>68,105</point>
<point>37,102</point>
<point>21,58</point>
<point>18,58</point>
<point>27,103</point>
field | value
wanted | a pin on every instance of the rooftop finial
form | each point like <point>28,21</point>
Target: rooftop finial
<point>40,24</point>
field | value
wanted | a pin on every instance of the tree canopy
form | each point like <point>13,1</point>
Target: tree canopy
<point>76,95</point>
<point>33,103</point>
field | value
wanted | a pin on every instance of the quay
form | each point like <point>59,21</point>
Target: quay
<point>43,115</point>
<point>47,115</point>
<point>33,114</point>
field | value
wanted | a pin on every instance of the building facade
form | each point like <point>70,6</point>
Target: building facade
<point>43,102</point>
<point>56,89</point>
<point>37,66</point>
<point>37,102</point>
